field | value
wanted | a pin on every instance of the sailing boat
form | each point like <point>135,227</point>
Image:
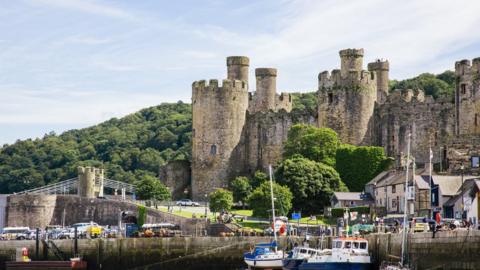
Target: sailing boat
<point>266,255</point>
<point>402,265</point>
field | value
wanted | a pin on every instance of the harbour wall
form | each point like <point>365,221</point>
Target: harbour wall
<point>38,211</point>
<point>448,250</point>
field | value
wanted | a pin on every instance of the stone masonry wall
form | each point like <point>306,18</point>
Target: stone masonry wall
<point>430,122</point>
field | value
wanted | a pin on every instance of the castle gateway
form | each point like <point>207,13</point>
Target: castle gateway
<point>236,132</point>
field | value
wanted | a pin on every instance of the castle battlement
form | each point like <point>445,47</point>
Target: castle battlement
<point>465,67</point>
<point>353,78</point>
<point>213,85</point>
<point>402,96</point>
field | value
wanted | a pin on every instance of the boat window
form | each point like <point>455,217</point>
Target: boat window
<point>363,245</point>
<point>348,244</point>
<point>311,252</point>
<point>338,244</point>
<point>355,244</point>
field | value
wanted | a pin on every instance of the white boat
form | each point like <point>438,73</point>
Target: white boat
<point>347,253</point>
<point>266,255</point>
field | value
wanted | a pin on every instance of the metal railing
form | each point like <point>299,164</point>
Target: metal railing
<point>63,187</point>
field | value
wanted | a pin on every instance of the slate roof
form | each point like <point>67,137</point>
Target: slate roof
<point>347,196</point>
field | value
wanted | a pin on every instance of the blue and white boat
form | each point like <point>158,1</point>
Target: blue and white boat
<point>298,255</point>
<point>264,256</point>
<point>347,253</point>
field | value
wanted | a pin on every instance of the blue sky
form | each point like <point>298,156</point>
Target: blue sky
<point>73,63</point>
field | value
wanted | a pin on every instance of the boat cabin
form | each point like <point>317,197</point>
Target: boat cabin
<point>350,243</point>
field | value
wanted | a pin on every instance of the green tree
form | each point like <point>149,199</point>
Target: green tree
<point>241,189</point>
<point>261,203</point>
<point>318,144</point>
<point>436,86</point>
<point>220,200</point>
<point>305,101</point>
<point>150,188</point>
<point>258,178</point>
<point>359,164</point>
<point>312,183</point>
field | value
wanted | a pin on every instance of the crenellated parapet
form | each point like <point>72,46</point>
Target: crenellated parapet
<point>214,89</point>
<point>353,80</point>
<point>402,96</point>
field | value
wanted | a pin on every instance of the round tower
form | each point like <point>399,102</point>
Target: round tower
<point>86,182</point>
<point>237,68</point>
<point>351,59</point>
<point>219,113</point>
<point>381,69</point>
<point>266,90</point>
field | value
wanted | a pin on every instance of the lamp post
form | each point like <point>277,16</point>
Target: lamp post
<point>206,209</point>
<point>462,168</point>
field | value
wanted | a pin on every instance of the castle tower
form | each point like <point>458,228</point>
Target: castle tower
<point>219,113</point>
<point>381,70</point>
<point>351,59</point>
<point>467,97</point>
<point>346,99</point>
<point>90,182</point>
<point>237,68</point>
<point>266,88</point>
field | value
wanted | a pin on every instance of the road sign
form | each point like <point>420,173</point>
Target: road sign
<point>296,216</point>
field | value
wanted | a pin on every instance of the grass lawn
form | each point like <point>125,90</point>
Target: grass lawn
<point>247,213</point>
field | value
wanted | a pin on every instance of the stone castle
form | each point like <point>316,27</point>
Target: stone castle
<point>236,132</point>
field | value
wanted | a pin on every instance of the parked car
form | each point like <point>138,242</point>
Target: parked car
<point>187,202</point>
<point>14,233</point>
<point>88,229</point>
<point>422,223</point>
<point>68,234</point>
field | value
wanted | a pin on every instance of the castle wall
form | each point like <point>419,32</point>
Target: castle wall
<point>381,70</point>
<point>265,137</point>
<point>218,120</point>
<point>176,175</point>
<point>430,122</point>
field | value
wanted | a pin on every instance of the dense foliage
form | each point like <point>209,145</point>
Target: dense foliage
<point>305,101</point>
<point>436,85</point>
<point>318,144</point>
<point>359,164</point>
<point>134,145</point>
<point>220,200</point>
<point>150,188</point>
<point>312,183</point>
<point>241,189</point>
<point>261,203</point>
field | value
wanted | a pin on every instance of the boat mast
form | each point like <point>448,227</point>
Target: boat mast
<point>405,209</point>
<point>273,204</point>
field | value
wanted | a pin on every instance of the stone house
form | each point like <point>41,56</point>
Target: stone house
<point>388,191</point>
<point>350,199</point>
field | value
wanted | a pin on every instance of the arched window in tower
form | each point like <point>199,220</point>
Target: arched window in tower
<point>213,150</point>
<point>463,88</point>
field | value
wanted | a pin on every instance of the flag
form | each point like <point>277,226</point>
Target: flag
<point>353,215</point>
<point>431,154</point>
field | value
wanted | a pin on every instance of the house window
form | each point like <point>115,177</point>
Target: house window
<point>393,189</point>
<point>475,162</point>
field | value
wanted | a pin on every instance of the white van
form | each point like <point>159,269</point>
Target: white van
<point>15,233</point>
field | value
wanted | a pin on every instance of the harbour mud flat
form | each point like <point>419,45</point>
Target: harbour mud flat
<point>448,250</point>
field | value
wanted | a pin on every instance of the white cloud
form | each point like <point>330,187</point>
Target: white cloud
<point>87,6</point>
<point>86,40</point>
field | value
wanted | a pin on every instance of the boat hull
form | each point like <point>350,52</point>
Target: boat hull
<point>335,266</point>
<point>292,264</point>
<point>264,264</point>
